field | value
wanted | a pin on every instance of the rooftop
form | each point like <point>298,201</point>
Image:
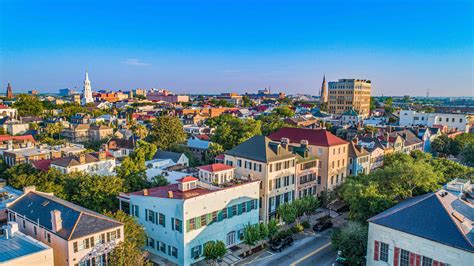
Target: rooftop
<point>19,245</point>
<point>318,137</point>
<point>441,217</point>
<point>262,149</point>
<point>216,167</point>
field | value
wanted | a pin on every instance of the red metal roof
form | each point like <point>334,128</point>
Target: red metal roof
<point>216,167</point>
<point>318,137</point>
<point>42,165</point>
<point>24,137</point>
<point>187,179</point>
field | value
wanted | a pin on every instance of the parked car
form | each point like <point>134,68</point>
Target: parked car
<point>322,224</point>
<point>281,243</point>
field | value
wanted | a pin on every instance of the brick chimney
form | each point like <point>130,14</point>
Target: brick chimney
<point>304,143</point>
<point>82,158</point>
<point>145,192</point>
<point>284,143</point>
<point>170,194</point>
<point>56,221</point>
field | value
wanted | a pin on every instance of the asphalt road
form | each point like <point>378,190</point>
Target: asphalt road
<point>311,250</point>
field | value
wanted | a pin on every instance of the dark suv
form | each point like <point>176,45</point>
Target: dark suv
<point>280,243</point>
<point>322,224</point>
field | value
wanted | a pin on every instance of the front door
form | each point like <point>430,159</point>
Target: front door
<point>231,238</point>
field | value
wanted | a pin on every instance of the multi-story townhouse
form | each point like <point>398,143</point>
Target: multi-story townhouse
<point>179,219</point>
<point>435,229</point>
<point>359,159</point>
<point>86,132</point>
<point>377,151</point>
<point>331,151</point>
<point>455,122</point>
<point>101,163</point>
<point>29,155</point>
<point>17,249</point>
<point>77,235</point>
<point>307,180</point>
<point>259,158</point>
<point>404,141</point>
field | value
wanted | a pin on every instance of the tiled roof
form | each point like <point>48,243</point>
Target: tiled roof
<point>13,138</point>
<point>186,179</point>
<point>260,148</point>
<point>42,165</point>
<point>430,216</point>
<point>318,137</point>
<point>216,167</point>
<point>76,220</point>
<point>74,160</point>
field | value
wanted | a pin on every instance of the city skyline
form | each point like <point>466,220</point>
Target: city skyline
<point>406,48</point>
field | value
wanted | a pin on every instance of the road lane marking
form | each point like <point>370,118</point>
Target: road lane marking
<point>310,254</point>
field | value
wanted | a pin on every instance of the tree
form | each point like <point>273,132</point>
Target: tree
<point>251,235</point>
<point>467,155</point>
<point>144,150</point>
<point>231,131</point>
<point>133,174</point>
<point>283,111</point>
<point>159,181</point>
<point>134,233</point>
<point>211,153</point>
<point>272,228</point>
<point>54,129</point>
<point>247,102</point>
<point>28,105</point>
<point>166,131</point>
<point>214,250</point>
<point>125,254</point>
<point>272,123</point>
<point>351,240</point>
<point>96,192</point>
<point>450,169</point>
<point>441,145</point>
<point>287,212</point>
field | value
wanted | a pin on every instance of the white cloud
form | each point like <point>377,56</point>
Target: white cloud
<point>135,62</point>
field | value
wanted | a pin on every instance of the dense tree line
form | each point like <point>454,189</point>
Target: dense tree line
<point>461,146</point>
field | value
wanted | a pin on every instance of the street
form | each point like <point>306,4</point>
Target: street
<point>311,250</point>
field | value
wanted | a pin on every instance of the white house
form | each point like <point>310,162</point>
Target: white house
<point>458,122</point>
<point>93,163</point>
<point>432,229</point>
<point>180,218</point>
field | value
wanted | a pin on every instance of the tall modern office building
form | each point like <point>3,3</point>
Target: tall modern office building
<point>350,94</point>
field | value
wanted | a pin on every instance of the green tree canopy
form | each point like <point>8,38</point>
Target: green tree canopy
<point>166,131</point>
<point>28,105</point>
<point>231,131</point>
<point>351,240</point>
<point>214,250</point>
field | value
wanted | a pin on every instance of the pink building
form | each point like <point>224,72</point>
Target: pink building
<point>77,235</point>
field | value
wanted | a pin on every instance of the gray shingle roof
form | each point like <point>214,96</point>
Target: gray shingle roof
<point>260,148</point>
<point>427,217</point>
<point>76,220</point>
<point>174,156</point>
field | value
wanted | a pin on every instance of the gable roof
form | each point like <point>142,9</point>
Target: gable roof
<point>186,179</point>
<point>318,137</point>
<point>357,150</point>
<point>76,220</point>
<point>260,148</point>
<point>74,160</point>
<point>174,156</point>
<point>428,216</point>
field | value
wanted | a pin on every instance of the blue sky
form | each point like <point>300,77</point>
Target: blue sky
<point>404,47</point>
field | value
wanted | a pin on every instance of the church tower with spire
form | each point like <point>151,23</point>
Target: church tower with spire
<point>9,91</point>
<point>87,92</point>
<point>323,98</point>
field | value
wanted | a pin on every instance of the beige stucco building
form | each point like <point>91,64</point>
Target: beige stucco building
<point>348,94</point>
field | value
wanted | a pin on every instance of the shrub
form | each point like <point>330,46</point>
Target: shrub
<point>297,228</point>
<point>305,224</point>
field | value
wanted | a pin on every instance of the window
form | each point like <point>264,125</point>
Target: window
<point>252,204</point>
<point>224,213</point>
<point>24,224</point>
<point>192,224</point>
<point>244,207</point>
<point>150,215</point>
<point>48,237</point>
<point>239,163</point>
<point>74,246</point>
<point>35,231</point>
<point>178,225</point>
<point>427,261</point>
<point>163,247</point>
<point>137,211</point>
<point>172,251</point>
<point>278,183</point>
<point>196,252</point>
<point>404,258</point>
<point>162,219</point>
<point>383,252</point>
<point>286,181</point>
<point>234,210</point>
<point>270,185</point>
<point>259,167</point>
<point>203,220</point>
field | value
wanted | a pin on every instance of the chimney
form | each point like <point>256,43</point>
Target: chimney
<point>145,192</point>
<point>102,156</point>
<point>28,189</point>
<point>284,143</point>
<point>170,194</point>
<point>56,221</point>
<point>304,143</point>
<point>82,158</point>
<point>355,141</point>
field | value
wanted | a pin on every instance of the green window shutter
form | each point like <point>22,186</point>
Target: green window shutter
<point>220,217</point>
<point>188,222</point>
<point>209,218</point>
<point>197,220</point>
<point>239,209</point>
<point>172,223</point>
<point>249,205</point>
<point>146,215</point>
<point>229,212</point>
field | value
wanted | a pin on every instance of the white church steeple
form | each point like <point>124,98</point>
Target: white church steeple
<point>87,92</point>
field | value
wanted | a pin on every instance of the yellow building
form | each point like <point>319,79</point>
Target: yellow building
<point>347,94</point>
